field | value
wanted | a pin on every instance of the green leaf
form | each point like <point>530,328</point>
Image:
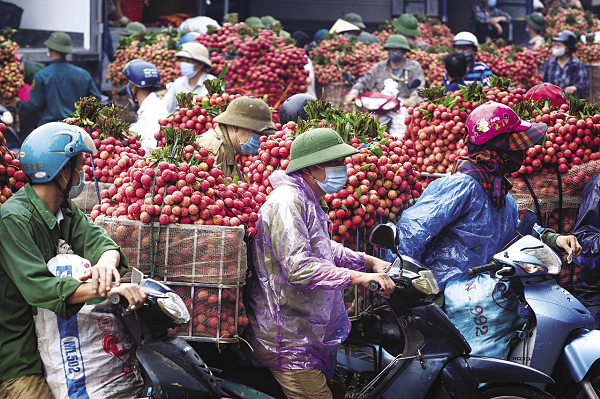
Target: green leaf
<point>377,150</point>
<point>235,179</point>
<point>367,166</point>
<point>362,139</point>
<point>224,71</point>
<point>344,207</point>
<point>363,207</point>
<point>359,192</point>
<point>384,141</point>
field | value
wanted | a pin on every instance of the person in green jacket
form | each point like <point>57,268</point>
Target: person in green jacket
<point>57,87</point>
<point>31,223</point>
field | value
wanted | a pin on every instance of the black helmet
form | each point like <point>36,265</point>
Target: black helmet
<point>293,108</point>
<point>568,38</point>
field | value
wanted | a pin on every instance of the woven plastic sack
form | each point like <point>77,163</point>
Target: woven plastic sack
<point>185,253</point>
<point>89,197</point>
<point>89,355</point>
<point>217,313</point>
<point>484,309</point>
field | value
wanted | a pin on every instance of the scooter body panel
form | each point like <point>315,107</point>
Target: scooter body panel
<point>487,369</point>
<point>581,352</point>
<point>557,314</point>
<point>167,360</point>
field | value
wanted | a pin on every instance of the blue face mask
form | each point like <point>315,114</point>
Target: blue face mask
<point>251,146</point>
<point>335,179</point>
<point>491,3</point>
<point>187,69</point>
<point>76,190</point>
<point>396,56</point>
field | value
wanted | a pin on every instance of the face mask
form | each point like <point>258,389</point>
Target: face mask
<point>558,52</point>
<point>396,56</point>
<point>491,3</point>
<point>187,69</point>
<point>251,146</point>
<point>76,190</point>
<point>469,56</point>
<point>512,161</point>
<point>335,179</point>
<point>48,53</point>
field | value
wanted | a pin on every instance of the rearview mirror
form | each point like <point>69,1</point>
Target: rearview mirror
<point>384,236</point>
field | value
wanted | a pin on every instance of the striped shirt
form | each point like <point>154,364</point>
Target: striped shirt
<point>479,72</point>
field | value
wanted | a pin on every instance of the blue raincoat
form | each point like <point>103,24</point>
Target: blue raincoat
<point>454,226</point>
<point>587,231</point>
<point>296,308</point>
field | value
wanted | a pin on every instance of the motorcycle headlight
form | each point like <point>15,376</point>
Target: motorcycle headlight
<point>545,255</point>
<point>529,267</point>
<point>174,307</point>
<point>426,283</point>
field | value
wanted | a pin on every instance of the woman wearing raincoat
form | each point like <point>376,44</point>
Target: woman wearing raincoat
<point>296,308</point>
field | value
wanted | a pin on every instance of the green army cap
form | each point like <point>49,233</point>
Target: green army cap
<point>317,146</point>
<point>59,41</point>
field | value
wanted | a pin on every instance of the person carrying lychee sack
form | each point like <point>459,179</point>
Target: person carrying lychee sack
<point>238,132</point>
<point>296,308</point>
<point>463,220</point>
<point>31,223</point>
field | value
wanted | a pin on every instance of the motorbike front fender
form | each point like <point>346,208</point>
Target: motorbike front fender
<point>582,349</point>
<point>170,380</point>
<point>487,369</point>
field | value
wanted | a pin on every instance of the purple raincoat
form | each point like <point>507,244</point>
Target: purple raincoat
<point>296,309</point>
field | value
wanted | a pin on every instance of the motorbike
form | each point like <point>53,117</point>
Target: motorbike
<point>559,338</point>
<point>433,361</point>
<point>169,365</point>
<point>385,104</point>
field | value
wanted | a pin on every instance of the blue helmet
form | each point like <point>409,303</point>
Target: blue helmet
<point>188,37</point>
<point>142,73</point>
<point>49,147</point>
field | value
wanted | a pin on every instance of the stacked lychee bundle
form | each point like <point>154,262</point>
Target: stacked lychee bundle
<point>180,183</point>
<point>11,76</point>
<point>157,48</point>
<point>260,62</point>
<point>117,147</point>
<point>12,178</point>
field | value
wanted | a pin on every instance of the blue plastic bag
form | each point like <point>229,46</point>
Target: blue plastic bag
<point>485,310</point>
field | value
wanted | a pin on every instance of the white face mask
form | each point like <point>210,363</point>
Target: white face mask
<point>558,52</point>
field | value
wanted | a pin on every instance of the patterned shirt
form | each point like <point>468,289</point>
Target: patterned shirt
<point>553,73</point>
<point>479,72</point>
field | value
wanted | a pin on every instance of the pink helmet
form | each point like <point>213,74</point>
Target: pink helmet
<point>499,125</point>
<point>555,94</point>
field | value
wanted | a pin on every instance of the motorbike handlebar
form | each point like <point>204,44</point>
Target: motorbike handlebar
<point>492,266</point>
<point>374,286</point>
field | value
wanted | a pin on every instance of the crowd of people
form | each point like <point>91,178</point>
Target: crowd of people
<point>296,309</point>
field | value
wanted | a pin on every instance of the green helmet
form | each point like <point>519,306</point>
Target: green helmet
<point>536,21</point>
<point>317,146</point>
<point>248,113</point>
<point>254,22</point>
<point>59,41</point>
<point>267,20</point>
<point>395,42</point>
<point>134,27</point>
<point>407,24</point>
<point>354,19</point>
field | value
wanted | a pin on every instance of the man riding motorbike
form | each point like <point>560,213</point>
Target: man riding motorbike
<point>31,223</point>
<point>296,308</point>
<point>462,220</point>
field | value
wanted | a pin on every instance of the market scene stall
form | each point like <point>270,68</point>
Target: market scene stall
<point>313,203</point>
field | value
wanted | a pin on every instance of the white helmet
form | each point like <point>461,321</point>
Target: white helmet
<point>465,39</point>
